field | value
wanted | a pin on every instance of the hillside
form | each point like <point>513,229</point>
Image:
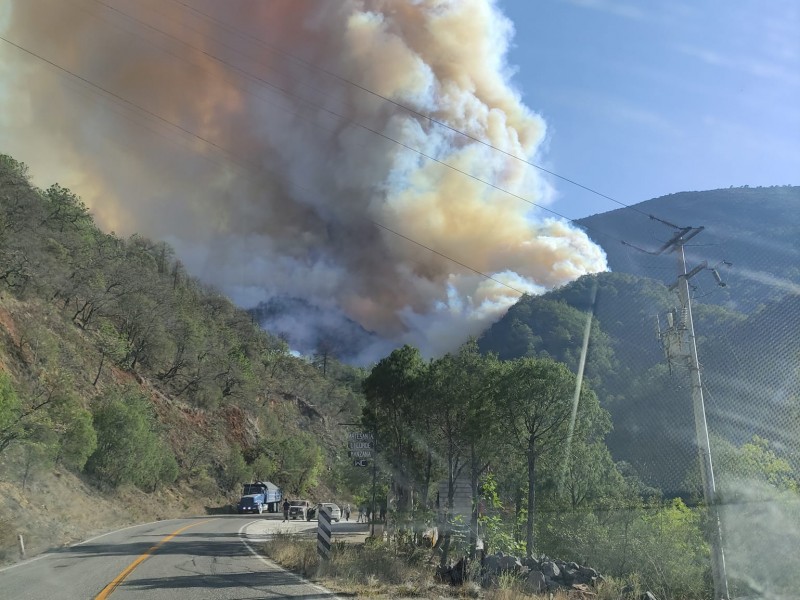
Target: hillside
<point>756,229</point>
<point>122,377</point>
<point>747,332</point>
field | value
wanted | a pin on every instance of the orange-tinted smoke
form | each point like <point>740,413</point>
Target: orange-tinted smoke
<point>251,162</point>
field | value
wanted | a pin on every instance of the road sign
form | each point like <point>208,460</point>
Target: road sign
<point>360,445</point>
<point>360,454</point>
<point>361,436</point>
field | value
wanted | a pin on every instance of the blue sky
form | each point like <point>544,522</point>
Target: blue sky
<point>649,98</point>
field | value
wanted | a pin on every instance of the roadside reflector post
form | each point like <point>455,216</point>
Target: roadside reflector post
<point>323,533</point>
<point>21,546</point>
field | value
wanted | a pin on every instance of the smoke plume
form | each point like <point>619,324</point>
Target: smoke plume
<point>233,133</point>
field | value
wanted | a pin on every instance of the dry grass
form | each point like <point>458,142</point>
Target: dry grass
<point>377,571</point>
<point>372,570</point>
<point>59,508</point>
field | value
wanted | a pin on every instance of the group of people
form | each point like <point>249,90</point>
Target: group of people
<point>363,512</point>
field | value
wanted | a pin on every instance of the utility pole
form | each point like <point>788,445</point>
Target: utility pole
<point>680,343</point>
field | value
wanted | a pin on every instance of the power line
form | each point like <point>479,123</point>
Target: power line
<point>99,89</point>
<point>406,108</point>
<point>349,120</point>
<point>335,114</point>
<point>447,257</point>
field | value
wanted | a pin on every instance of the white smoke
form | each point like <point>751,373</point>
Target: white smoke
<point>283,197</point>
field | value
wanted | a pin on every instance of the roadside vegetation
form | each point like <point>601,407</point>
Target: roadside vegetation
<point>120,369</point>
<point>382,570</point>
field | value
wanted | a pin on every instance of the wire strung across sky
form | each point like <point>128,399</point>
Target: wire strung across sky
<point>404,107</point>
<point>249,166</point>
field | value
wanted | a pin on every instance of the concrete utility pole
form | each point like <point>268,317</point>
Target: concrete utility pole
<point>680,343</point>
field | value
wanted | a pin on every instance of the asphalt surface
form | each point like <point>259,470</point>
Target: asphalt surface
<point>207,557</point>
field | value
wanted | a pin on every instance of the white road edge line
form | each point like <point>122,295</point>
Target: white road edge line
<point>91,539</point>
<point>270,563</point>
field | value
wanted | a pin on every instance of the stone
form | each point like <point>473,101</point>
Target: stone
<point>491,564</point>
<point>568,575</point>
<point>582,591</point>
<point>649,596</point>
<point>537,581</point>
<point>550,569</point>
<point>531,563</point>
<point>509,563</point>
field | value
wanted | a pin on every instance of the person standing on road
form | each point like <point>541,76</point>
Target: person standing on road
<point>347,512</point>
<point>286,506</point>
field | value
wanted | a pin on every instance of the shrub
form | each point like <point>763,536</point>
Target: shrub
<point>129,450</point>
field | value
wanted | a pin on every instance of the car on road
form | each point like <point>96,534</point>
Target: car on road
<point>333,510</point>
<point>298,509</point>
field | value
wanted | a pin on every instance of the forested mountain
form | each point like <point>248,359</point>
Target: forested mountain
<point>118,365</point>
<point>748,332</point>
<point>756,229</point>
<point>310,329</point>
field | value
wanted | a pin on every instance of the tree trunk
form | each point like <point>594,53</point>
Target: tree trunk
<point>426,484</point>
<point>100,368</point>
<point>474,469</point>
<point>448,513</point>
<point>529,539</point>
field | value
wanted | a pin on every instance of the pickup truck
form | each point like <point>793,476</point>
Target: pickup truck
<point>333,510</point>
<point>298,509</point>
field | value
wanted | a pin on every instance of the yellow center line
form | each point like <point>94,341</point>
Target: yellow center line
<point>109,589</point>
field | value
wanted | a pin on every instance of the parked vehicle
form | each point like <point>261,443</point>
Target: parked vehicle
<point>333,510</point>
<point>259,497</point>
<point>298,509</point>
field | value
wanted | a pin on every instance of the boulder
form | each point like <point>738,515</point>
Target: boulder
<point>550,569</point>
<point>509,563</point>
<point>582,591</point>
<point>537,581</point>
<point>531,563</point>
<point>491,564</point>
<point>568,576</point>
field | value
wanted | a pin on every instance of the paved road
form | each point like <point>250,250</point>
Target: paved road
<point>201,558</point>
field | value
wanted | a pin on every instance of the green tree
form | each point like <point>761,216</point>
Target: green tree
<point>235,470</point>
<point>129,449</point>
<point>393,409</point>
<point>111,345</point>
<point>460,390</point>
<point>263,468</point>
<point>10,413</point>
<point>69,430</point>
<point>298,463</point>
<point>536,397</point>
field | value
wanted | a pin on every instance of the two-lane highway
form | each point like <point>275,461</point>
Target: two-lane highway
<point>210,557</point>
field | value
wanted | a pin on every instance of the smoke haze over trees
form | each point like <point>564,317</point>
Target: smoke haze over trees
<point>295,174</point>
